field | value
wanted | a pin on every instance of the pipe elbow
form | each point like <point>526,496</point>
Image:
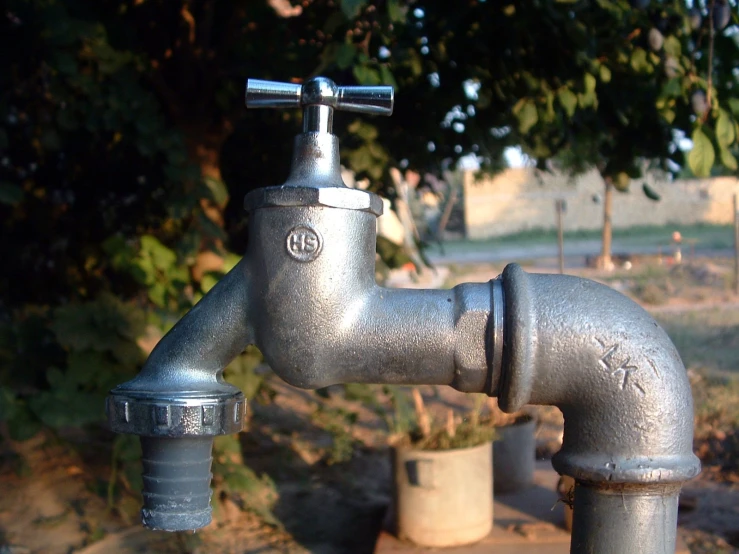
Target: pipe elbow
<point>181,391</point>
<point>611,369</point>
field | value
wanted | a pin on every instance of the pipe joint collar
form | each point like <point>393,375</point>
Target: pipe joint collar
<point>328,197</point>
<point>175,416</point>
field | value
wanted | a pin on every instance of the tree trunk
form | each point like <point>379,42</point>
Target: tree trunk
<point>446,214</point>
<point>204,148</point>
<point>605,261</point>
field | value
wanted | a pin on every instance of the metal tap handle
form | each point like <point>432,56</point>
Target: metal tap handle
<point>319,97</point>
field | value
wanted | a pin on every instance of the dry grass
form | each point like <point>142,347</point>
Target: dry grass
<point>708,339</point>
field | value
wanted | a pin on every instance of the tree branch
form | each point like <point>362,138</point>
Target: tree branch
<point>711,36</point>
<point>167,93</point>
<point>205,28</point>
<point>190,21</point>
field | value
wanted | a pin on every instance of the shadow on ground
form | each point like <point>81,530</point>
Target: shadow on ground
<point>325,508</point>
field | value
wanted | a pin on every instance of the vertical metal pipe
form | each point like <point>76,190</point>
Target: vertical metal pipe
<point>318,119</point>
<point>624,519</point>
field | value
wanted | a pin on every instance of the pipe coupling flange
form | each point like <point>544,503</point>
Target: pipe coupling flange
<point>329,197</point>
<point>176,417</point>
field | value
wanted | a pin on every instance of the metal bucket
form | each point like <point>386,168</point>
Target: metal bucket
<point>514,452</point>
<point>443,498</point>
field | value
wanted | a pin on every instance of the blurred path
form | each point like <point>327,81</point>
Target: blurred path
<point>472,253</point>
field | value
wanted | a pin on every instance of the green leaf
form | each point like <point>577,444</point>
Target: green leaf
<point>622,181</point>
<point>218,190</point>
<point>734,106</point>
<point>10,193</point>
<point>725,132</point>
<point>241,373</point>
<point>395,11</point>
<point>527,115</point>
<point>415,61</point>
<point>84,367</point>
<point>105,324</point>
<point>568,100</point>
<point>672,47</point>
<point>650,193</point>
<point>590,83</point>
<point>550,115</point>
<point>208,281</point>
<point>702,155</point>
<point>387,76</point>
<point>587,100</point>
<point>158,294</point>
<point>230,262</point>
<point>605,74</point>
<point>351,8</point>
<point>23,425</point>
<point>668,115</point>
<point>162,257</point>
<point>345,55</point>
<point>727,159</point>
<point>363,130</point>
<point>7,404</point>
<point>227,444</point>
<point>120,253</point>
<point>639,61</point>
<point>672,88</point>
<point>366,75</point>
<point>241,478</point>
<point>53,408</point>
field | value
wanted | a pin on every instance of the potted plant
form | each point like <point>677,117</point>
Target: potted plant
<point>442,477</point>
<point>514,450</point>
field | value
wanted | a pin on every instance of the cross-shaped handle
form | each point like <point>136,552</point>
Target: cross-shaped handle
<point>319,97</point>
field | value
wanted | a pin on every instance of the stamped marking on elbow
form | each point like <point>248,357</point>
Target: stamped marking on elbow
<point>304,243</point>
<point>619,367</point>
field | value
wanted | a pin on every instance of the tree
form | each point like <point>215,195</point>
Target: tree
<point>579,84</point>
<point>590,84</point>
<point>655,84</point>
<point>123,118</point>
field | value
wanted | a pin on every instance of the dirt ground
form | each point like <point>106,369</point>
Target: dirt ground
<point>326,454</point>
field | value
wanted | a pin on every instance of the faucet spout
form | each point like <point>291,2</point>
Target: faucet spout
<point>180,401</point>
<point>197,349</point>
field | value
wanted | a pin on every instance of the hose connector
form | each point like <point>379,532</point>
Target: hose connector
<point>177,434</point>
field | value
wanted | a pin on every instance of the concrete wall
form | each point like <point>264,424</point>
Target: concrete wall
<point>523,199</point>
